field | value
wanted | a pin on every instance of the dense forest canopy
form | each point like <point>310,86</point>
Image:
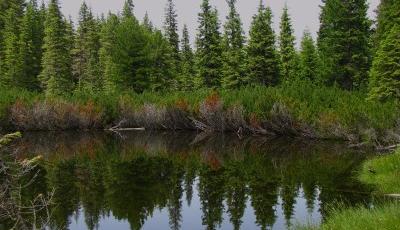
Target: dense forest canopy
<point>42,50</point>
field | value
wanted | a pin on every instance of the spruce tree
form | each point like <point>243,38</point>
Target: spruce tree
<point>308,58</point>
<point>208,43</point>
<point>388,15</point>
<point>263,62</point>
<point>86,52</point>
<point>109,77</point>
<point>11,62</point>
<point>56,76</point>
<point>147,22</point>
<point>344,43</point>
<point>234,56</point>
<point>385,72</point>
<point>127,10</point>
<point>171,28</point>
<point>288,54</point>
<point>187,76</point>
<point>31,42</point>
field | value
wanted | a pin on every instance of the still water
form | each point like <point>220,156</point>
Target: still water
<point>140,180</point>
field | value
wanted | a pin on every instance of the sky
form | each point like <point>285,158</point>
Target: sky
<point>304,13</point>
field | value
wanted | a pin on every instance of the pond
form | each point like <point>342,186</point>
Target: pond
<point>141,180</point>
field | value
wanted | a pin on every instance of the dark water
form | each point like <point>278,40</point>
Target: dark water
<point>142,180</point>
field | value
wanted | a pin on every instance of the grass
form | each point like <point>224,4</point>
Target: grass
<point>387,173</point>
<point>382,172</point>
<point>330,111</point>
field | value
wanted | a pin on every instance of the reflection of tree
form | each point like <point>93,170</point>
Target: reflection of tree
<point>289,193</point>
<point>175,201</point>
<point>211,191</point>
<point>190,176</point>
<point>66,198</point>
<point>236,192</point>
<point>264,185</point>
<point>92,190</point>
<point>135,188</point>
<point>132,177</point>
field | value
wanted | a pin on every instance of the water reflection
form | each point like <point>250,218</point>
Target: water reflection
<point>189,181</point>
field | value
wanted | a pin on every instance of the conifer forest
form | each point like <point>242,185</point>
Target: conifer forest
<point>129,125</point>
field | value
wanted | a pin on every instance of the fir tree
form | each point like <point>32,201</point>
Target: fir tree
<point>187,80</point>
<point>288,55</point>
<point>234,56</point>
<point>263,62</point>
<point>344,39</point>
<point>127,11</point>
<point>11,62</point>
<point>111,81</point>
<point>17,7</point>
<point>147,22</point>
<point>56,73</point>
<point>388,16</point>
<point>385,72</point>
<point>308,58</point>
<point>171,28</point>
<point>31,42</point>
<point>208,43</point>
<point>86,51</point>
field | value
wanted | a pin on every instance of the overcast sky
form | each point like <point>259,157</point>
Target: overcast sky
<point>304,13</point>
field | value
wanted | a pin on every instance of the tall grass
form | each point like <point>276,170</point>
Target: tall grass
<point>361,218</point>
<point>384,173</point>
<point>329,111</point>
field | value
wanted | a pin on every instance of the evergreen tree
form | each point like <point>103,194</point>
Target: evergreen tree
<point>385,72</point>
<point>187,80</point>
<point>388,16</point>
<point>31,42</point>
<point>263,62</point>
<point>86,51</point>
<point>56,73</point>
<point>208,43</point>
<point>288,55</point>
<point>308,58</point>
<point>234,56</point>
<point>344,39</point>
<point>11,12</point>
<point>171,28</point>
<point>162,65</point>
<point>107,38</point>
<point>11,63</point>
<point>127,11</point>
<point>147,23</point>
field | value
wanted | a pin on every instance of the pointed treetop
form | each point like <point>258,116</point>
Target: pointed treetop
<point>127,11</point>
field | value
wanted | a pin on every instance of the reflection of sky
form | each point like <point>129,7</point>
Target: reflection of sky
<point>192,216</point>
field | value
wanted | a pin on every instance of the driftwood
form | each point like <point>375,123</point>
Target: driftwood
<point>118,127</point>
<point>397,196</point>
<point>387,148</point>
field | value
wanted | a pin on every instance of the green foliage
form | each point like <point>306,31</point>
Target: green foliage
<point>11,64</point>
<point>263,62</point>
<point>380,217</point>
<point>188,72</point>
<point>388,16</point>
<point>85,68</point>
<point>31,43</point>
<point>234,56</point>
<point>107,38</point>
<point>386,173</point>
<point>385,72</point>
<point>289,59</point>
<point>208,44</point>
<point>56,76</point>
<point>309,62</point>
<point>344,43</point>
<point>171,30</point>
